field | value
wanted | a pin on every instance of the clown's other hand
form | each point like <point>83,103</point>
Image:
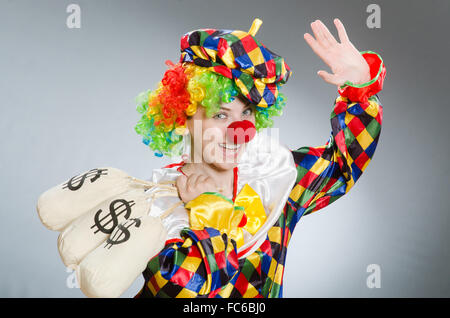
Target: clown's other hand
<point>195,184</point>
<point>344,60</point>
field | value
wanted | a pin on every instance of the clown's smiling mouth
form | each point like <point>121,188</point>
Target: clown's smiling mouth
<point>230,146</point>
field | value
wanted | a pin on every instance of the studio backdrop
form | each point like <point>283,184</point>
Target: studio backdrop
<point>70,71</point>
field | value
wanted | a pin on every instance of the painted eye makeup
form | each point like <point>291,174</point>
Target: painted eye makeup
<point>247,112</point>
<point>220,116</point>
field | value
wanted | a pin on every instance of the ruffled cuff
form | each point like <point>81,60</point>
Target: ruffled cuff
<point>362,92</point>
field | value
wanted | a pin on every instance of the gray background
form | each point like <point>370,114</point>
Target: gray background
<point>67,105</point>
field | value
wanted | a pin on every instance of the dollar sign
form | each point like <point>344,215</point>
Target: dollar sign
<point>77,181</point>
<point>121,233</point>
<point>116,208</point>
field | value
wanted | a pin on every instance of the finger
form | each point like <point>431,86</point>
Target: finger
<point>318,34</point>
<point>210,182</point>
<point>181,184</point>
<point>191,181</point>
<point>326,33</point>
<point>313,44</point>
<point>341,31</point>
<point>318,49</point>
<point>200,180</point>
<point>330,78</point>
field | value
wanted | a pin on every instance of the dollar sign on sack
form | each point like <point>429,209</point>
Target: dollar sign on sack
<point>77,181</point>
<point>108,222</point>
<point>121,233</point>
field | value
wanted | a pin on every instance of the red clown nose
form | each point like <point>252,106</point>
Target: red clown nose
<point>240,132</point>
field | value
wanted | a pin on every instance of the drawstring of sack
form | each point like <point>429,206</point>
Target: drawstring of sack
<point>161,189</point>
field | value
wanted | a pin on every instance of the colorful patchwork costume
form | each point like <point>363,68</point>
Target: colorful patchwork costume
<point>205,261</point>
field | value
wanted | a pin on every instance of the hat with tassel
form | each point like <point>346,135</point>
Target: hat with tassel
<point>238,55</point>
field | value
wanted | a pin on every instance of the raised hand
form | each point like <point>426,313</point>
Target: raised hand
<point>344,60</point>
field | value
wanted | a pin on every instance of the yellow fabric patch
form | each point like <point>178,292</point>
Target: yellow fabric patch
<point>191,263</point>
<point>319,166</point>
<point>296,192</point>
<point>279,274</point>
<point>364,139</point>
<point>211,209</point>
<point>372,109</point>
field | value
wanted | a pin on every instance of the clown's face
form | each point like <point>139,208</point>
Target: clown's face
<point>209,140</point>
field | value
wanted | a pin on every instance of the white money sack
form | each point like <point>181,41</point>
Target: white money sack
<point>110,269</point>
<point>88,231</point>
<point>107,235</point>
<point>60,205</point>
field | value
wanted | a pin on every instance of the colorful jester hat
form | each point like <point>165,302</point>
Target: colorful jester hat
<point>238,55</point>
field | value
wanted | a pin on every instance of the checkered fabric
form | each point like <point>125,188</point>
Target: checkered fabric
<point>238,55</point>
<point>205,263</point>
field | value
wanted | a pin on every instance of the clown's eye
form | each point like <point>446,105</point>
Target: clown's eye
<point>247,112</point>
<point>220,116</point>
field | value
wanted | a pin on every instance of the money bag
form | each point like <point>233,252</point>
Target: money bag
<point>111,268</point>
<point>60,205</point>
<point>107,235</point>
<point>89,230</point>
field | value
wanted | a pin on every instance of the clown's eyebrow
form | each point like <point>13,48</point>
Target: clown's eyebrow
<point>229,109</point>
<point>226,108</point>
<point>246,100</point>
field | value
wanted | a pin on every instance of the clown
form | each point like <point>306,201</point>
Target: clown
<point>242,201</point>
<point>218,223</point>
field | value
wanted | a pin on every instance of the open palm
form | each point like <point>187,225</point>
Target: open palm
<point>344,60</point>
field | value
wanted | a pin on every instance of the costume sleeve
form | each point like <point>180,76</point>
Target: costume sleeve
<point>326,173</point>
<point>198,265</point>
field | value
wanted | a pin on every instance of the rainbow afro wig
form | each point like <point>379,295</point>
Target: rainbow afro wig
<point>185,87</point>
